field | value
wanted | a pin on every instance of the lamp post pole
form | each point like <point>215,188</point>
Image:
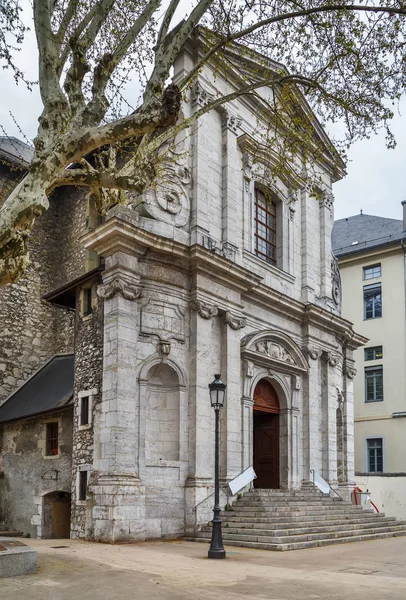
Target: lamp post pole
<point>216,545</point>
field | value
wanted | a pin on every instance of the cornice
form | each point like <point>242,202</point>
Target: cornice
<point>375,253</point>
<point>249,145</point>
<point>120,233</point>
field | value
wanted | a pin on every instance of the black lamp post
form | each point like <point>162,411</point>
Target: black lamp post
<point>217,394</point>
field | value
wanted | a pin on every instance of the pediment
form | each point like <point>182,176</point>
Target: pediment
<point>274,348</point>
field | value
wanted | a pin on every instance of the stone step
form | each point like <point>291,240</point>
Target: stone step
<point>299,530</point>
<point>271,524</point>
<point>11,533</point>
<point>305,544</point>
<point>305,537</point>
<point>295,513</point>
<point>312,519</point>
<point>291,503</point>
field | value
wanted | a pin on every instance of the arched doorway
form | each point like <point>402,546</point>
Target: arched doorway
<point>56,515</point>
<point>266,436</point>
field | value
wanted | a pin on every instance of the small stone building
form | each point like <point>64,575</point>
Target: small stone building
<point>213,272</point>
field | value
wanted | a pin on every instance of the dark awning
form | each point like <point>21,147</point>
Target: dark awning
<point>48,389</point>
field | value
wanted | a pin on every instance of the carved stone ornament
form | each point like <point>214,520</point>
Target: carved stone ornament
<point>229,251</point>
<point>332,359</point>
<point>200,96</point>
<point>249,368</point>
<point>350,372</point>
<point>230,121</point>
<point>336,290</point>
<point>168,201</point>
<point>340,399</point>
<point>274,350</point>
<point>247,169</point>
<point>119,286</point>
<point>209,243</point>
<point>327,200</point>
<point>314,353</point>
<point>205,310</point>
<point>234,322</point>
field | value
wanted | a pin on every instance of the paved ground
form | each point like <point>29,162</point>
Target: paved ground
<point>178,570</point>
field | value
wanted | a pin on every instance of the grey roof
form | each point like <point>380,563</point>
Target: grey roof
<point>48,389</point>
<point>15,150</point>
<point>363,232</point>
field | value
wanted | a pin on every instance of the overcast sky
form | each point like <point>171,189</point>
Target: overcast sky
<point>376,180</point>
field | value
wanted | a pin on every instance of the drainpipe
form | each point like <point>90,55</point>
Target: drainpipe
<point>404,253</point>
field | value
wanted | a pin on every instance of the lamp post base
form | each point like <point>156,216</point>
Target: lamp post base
<point>217,553</point>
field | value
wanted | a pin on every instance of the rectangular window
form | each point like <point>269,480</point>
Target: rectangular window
<point>265,227</point>
<point>52,439</point>
<point>374,384</point>
<point>87,301</point>
<point>82,485</point>
<point>372,272</point>
<point>84,410</point>
<point>372,301</point>
<point>374,353</point>
<point>375,455</point>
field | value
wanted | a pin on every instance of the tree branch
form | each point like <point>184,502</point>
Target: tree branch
<point>97,107</point>
<point>51,93</point>
<point>165,53</point>
<point>166,22</point>
<point>284,17</point>
<point>101,179</point>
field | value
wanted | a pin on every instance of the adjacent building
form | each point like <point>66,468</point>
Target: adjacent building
<point>371,255</point>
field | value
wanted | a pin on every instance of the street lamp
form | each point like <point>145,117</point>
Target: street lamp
<point>217,393</point>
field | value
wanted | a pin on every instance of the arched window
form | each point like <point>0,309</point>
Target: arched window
<point>265,227</point>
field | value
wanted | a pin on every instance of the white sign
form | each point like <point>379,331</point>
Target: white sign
<point>320,482</point>
<point>242,480</point>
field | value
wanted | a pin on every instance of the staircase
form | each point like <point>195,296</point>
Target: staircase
<point>280,520</point>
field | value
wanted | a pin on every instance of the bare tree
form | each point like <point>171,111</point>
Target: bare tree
<point>347,60</point>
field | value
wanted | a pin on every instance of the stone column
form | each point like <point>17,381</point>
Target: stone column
<point>247,408</point>
<point>311,395</point>
<point>329,407</point>
<point>349,372</point>
<point>118,498</point>
<point>231,215</point>
<point>326,225</point>
<point>199,484</point>
<point>310,245</point>
<point>231,446</point>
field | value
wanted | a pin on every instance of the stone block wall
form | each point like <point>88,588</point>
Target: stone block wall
<point>88,378</point>
<point>26,474</point>
<point>32,330</point>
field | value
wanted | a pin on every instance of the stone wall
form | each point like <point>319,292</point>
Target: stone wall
<point>26,474</point>
<point>33,330</point>
<point>88,378</point>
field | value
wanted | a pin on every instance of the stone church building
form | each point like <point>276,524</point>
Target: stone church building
<point>110,339</point>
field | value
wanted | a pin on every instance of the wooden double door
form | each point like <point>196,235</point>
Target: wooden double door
<point>266,436</point>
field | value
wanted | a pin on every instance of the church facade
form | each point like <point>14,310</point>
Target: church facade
<point>214,272</point>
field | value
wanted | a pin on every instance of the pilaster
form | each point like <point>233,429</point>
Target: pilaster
<point>117,495</point>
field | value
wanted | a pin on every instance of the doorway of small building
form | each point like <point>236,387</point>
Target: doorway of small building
<point>266,436</point>
<point>56,515</point>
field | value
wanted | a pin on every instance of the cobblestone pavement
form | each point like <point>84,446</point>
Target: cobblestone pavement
<point>176,570</point>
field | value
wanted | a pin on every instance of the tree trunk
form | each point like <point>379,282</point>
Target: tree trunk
<point>17,216</point>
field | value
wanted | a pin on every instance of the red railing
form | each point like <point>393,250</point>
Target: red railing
<point>357,489</point>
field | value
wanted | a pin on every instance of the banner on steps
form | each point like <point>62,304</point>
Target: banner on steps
<point>243,479</point>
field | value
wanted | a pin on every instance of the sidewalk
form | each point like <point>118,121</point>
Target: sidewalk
<point>178,570</point>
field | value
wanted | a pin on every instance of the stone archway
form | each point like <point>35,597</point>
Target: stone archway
<point>266,435</point>
<point>56,514</point>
